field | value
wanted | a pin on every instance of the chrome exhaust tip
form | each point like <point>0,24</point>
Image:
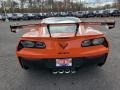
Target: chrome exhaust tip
<point>60,71</point>
<point>67,71</point>
<point>54,71</point>
<point>73,71</point>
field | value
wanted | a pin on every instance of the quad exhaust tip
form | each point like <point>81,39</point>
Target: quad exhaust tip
<point>67,71</point>
<point>73,71</point>
<point>62,71</point>
<point>54,71</point>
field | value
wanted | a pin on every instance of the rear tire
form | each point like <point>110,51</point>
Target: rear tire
<point>102,63</point>
<point>23,65</point>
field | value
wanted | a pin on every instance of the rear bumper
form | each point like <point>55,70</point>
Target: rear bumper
<point>76,62</point>
<point>36,54</point>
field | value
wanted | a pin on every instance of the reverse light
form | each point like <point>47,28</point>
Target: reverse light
<point>98,41</point>
<point>86,43</point>
<point>40,45</point>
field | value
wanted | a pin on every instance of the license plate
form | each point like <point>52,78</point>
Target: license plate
<point>64,62</point>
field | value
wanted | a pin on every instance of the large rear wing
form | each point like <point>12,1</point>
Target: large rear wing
<point>108,24</point>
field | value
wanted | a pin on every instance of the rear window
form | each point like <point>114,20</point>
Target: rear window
<point>63,28</point>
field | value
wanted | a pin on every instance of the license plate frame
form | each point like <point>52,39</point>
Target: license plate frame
<point>64,62</point>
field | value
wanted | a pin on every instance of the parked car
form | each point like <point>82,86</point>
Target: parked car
<point>0,17</point>
<point>56,14</point>
<point>28,16</point>
<point>80,14</point>
<point>14,16</point>
<point>37,16</point>
<point>70,13</point>
<point>106,13</point>
<point>25,16</point>
<point>99,13</point>
<point>114,12</point>
<point>9,16</point>
<point>20,16</point>
<point>4,16</point>
<point>45,15</point>
<point>63,14</point>
<point>96,13</point>
<point>61,46</point>
<point>90,14</point>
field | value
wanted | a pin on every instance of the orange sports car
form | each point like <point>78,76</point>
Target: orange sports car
<point>62,44</point>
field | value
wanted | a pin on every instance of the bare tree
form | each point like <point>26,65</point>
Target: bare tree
<point>30,3</point>
<point>22,2</point>
<point>40,6</point>
<point>118,1</point>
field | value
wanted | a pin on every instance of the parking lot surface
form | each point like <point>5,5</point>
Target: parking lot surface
<point>13,77</point>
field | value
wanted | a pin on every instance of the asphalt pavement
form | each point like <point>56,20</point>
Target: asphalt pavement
<point>13,77</point>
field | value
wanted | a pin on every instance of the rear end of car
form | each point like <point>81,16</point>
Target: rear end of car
<point>62,47</point>
<point>62,51</point>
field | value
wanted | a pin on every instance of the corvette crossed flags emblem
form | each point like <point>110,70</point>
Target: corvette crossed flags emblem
<point>63,45</point>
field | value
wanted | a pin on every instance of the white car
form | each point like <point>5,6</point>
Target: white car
<point>0,17</point>
<point>9,16</point>
<point>20,15</point>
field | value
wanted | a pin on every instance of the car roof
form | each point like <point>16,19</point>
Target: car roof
<point>54,20</point>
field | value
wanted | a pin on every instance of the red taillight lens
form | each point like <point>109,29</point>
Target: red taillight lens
<point>30,44</point>
<point>95,42</point>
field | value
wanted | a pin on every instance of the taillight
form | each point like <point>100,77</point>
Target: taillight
<point>31,44</point>
<point>95,42</point>
<point>28,44</point>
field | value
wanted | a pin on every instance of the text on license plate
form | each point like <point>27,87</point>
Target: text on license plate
<point>64,62</point>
